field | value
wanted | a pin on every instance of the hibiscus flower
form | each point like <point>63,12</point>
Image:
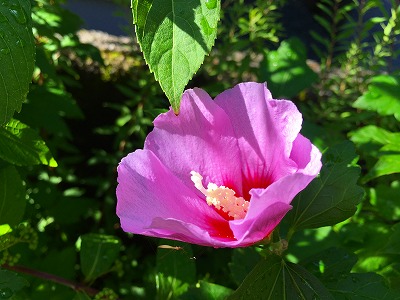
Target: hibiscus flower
<point>222,173</point>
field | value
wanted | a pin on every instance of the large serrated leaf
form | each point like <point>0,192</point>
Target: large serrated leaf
<point>383,96</point>
<point>17,55</point>
<point>274,278</point>
<point>12,196</point>
<point>22,146</point>
<point>175,36</point>
<point>332,197</point>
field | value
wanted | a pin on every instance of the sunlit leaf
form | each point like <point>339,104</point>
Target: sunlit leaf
<point>274,278</point>
<point>285,70</point>
<point>332,197</point>
<point>98,254</point>
<point>386,200</point>
<point>12,196</point>
<point>207,290</point>
<point>383,96</point>
<point>382,144</point>
<point>174,37</point>
<point>22,146</point>
<point>17,55</point>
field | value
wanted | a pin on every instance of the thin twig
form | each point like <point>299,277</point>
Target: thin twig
<point>54,278</point>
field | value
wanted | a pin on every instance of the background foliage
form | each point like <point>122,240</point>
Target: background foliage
<point>59,235</point>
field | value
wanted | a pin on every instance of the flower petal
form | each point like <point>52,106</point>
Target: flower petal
<point>265,129</point>
<point>147,190</point>
<point>199,139</point>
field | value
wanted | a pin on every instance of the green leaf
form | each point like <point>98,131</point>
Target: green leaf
<point>370,139</point>
<point>174,37</point>
<point>98,254</point>
<point>22,146</point>
<point>285,70</point>
<point>361,286</point>
<point>17,55</point>
<point>274,278</point>
<point>330,264</point>
<point>385,198</point>
<point>207,290</point>
<point>243,261</point>
<point>176,259</point>
<point>176,268</point>
<point>332,197</point>
<point>383,96</point>
<point>10,283</point>
<point>48,107</point>
<point>12,196</point>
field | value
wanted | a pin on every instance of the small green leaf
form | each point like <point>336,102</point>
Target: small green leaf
<point>386,200</point>
<point>383,96</point>
<point>10,283</point>
<point>22,146</point>
<point>12,196</point>
<point>98,254</point>
<point>176,259</point>
<point>174,37</point>
<point>176,268</point>
<point>243,261</point>
<point>382,144</point>
<point>274,278</point>
<point>17,55</point>
<point>332,197</point>
<point>207,290</point>
<point>285,70</point>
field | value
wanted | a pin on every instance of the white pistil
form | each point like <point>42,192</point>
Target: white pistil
<point>221,197</point>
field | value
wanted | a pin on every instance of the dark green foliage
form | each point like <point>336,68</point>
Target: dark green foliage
<point>59,235</point>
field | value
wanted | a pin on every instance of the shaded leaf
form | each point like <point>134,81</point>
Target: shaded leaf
<point>174,37</point>
<point>176,268</point>
<point>332,197</point>
<point>176,259</point>
<point>22,146</point>
<point>330,264</point>
<point>383,96</point>
<point>17,55</point>
<point>10,283</point>
<point>362,286</point>
<point>12,196</point>
<point>285,70</point>
<point>98,254</point>
<point>243,261</point>
<point>274,278</point>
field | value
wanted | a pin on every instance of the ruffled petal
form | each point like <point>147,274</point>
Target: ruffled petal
<point>265,130</point>
<point>147,190</point>
<point>199,139</point>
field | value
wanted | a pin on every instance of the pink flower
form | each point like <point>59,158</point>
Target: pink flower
<point>222,173</point>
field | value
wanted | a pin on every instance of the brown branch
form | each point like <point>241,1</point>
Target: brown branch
<point>54,278</point>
